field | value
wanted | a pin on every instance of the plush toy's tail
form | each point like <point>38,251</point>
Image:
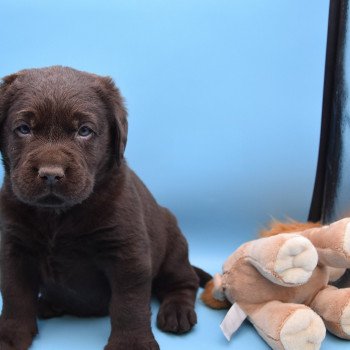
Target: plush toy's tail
<point>277,227</point>
<point>209,300</point>
<point>206,281</point>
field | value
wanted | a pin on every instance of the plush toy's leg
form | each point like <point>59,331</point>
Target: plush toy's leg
<point>288,326</point>
<point>333,305</point>
<point>332,243</point>
<point>285,259</point>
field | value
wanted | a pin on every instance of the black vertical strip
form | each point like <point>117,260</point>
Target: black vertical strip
<point>328,117</point>
<point>336,182</point>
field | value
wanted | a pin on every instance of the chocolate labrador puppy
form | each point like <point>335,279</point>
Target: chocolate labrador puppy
<point>81,234</point>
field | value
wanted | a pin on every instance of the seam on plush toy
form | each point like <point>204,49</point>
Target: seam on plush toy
<point>316,293</point>
<point>262,331</point>
<point>243,257</point>
<point>291,312</point>
<point>250,259</point>
<point>241,252</point>
<point>337,249</point>
<point>270,272</point>
<point>344,239</point>
<point>339,323</point>
<point>279,328</point>
<point>345,307</point>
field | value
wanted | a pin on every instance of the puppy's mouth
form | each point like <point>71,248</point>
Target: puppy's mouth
<point>51,201</point>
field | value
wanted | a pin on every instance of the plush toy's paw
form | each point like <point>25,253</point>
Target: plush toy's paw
<point>304,329</point>
<point>295,261</point>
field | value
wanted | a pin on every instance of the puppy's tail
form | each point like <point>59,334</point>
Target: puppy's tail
<point>204,277</point>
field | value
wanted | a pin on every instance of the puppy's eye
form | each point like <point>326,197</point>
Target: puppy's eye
<point>23,130</point>
<point>84,131</point>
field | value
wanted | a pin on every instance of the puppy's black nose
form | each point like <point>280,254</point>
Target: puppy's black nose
<point>51,174</point>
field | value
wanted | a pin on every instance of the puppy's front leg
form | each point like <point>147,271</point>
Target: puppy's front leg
<point>131,284</point>
<point>19,289</point>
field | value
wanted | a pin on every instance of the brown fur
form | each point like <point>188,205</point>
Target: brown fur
<point>78,225</point>
<point>277,227</point>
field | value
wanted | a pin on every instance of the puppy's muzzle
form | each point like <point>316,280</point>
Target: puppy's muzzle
<point>50,175</point>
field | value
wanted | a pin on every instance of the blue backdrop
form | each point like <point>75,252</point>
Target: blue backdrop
<point>224,101</point>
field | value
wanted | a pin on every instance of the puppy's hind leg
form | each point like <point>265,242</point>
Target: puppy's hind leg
<point>176,286</point>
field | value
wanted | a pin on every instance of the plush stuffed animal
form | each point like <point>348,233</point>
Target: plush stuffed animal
<point>281,284</point>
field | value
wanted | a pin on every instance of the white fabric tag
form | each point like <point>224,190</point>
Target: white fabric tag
<point>232,321</point>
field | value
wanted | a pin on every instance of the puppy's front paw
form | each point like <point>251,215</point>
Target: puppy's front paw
<point>176,317</point>
<point>16,335</point>
<point>131,344</point>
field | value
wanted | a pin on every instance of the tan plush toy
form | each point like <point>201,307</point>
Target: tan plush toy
<point>281,284</point>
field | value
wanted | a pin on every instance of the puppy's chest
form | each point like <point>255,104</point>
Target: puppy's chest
<point>67,254</point>
<point>59,258</point>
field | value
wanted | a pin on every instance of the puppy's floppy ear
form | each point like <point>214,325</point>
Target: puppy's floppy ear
<point>114,101</point>
<point>5,95</point>
<point>6,98</point>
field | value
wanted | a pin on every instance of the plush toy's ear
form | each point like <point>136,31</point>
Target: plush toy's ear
<point>112,97</point>
<point>213,294</point>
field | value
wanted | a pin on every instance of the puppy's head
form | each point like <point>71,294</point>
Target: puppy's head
<point>61,132</point>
